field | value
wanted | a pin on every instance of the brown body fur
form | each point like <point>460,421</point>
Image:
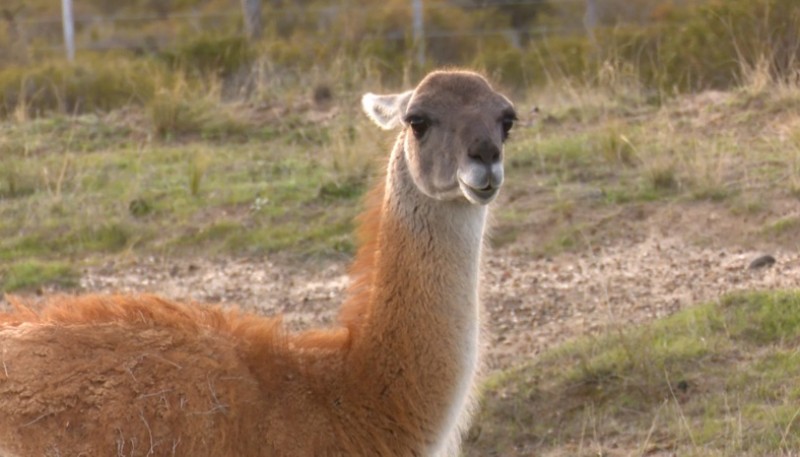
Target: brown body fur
<point>144,376</point>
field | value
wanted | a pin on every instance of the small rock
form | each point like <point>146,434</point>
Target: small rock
<point>762,262</point>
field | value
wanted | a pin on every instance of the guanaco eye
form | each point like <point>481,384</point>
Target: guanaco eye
<point>507,123</point>
<point>419,125</point>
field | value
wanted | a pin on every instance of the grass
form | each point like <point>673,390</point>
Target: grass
<point>784,225</point>
<point>30,275</point>
<point>171,157</point>
<point>708,148</point>
<point>166,155</point>
<point>89,185</point>
<point>717,379</point>
<point>196,173</point>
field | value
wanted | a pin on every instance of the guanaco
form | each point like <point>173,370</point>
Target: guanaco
<point>139,375</point>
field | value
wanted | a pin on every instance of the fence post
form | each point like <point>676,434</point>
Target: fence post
<point>16,34</point>
<point>251,10</point>
<point>419,32</point>
<point>69,29</point>
<point>591,19</point>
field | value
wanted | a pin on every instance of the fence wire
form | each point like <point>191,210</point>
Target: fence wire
<point>96,32</point>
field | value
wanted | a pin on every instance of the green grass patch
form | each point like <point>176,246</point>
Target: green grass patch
<point>51,242</point>
<point>642,191</point>
<point>210,55</point>
<point>322,235</point>
<point>58,132</point>
<point>178,164</point>
<point>188,194</point>
<point>681,384</point>
<point>348,188</point>
<point>565,154</point>
<point>783,226</point>
<point>97,83</point>
<point>31,275</point>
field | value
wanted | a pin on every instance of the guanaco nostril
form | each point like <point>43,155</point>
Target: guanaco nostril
<point>484,152</point>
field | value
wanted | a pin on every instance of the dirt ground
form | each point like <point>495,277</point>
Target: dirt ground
<point>650,269</point>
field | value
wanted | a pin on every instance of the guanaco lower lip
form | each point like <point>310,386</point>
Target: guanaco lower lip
<point>478,196</point>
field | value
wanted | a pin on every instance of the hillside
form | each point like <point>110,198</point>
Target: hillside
<point>616,211</point>
<point>647,172</point>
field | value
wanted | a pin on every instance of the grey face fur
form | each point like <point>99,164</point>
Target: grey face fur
<point>454,126</point>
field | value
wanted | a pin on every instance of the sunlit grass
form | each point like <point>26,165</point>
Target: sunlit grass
<point>30,275</point>
<point>717,379</point>
<point>118,192</point>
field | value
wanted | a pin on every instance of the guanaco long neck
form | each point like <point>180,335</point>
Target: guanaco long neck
<point>418,342</point>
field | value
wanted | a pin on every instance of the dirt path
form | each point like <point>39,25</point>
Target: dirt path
<point>531,304</point>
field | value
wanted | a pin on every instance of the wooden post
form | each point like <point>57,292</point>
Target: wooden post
<point>251,10</point>
<point>591,19</point>
<point>69,29</point>
<point>419,32</point>
<point>16,35</point>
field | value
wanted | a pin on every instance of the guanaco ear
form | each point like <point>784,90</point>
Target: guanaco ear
<point>386,110</point>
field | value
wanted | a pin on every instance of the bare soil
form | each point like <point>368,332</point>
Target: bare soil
<point>645,269</point>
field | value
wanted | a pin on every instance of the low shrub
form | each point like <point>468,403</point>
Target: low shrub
<point>714,45</point>
<point>92,84</point>
<point>211,55</point>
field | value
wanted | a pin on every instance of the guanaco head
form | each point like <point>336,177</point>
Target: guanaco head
<point>454,126</point>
